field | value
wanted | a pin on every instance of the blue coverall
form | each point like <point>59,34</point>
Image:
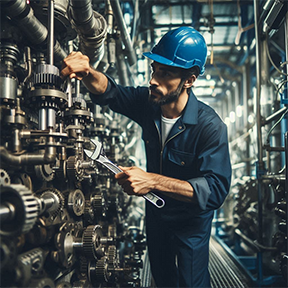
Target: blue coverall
<point>196,150</point>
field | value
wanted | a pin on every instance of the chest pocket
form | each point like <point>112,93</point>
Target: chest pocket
<point>183,159</point>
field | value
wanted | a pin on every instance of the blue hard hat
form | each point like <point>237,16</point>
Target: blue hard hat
<point>183,47</point>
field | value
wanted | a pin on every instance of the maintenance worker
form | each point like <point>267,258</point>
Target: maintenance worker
<point>188,162</point>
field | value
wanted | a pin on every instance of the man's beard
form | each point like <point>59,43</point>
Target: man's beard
<point>166,99</point>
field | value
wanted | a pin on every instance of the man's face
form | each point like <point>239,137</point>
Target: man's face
<point>166,84</point>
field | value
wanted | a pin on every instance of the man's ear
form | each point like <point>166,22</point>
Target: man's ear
<point>189,82</point>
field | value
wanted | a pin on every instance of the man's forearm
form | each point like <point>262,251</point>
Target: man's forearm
<point>136,181</point>
<point>96,82</point>
<point>174,188</point>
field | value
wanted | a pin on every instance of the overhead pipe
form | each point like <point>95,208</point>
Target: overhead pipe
<point>130,52</point>
<point>22,14</point>
<point>91,28</point>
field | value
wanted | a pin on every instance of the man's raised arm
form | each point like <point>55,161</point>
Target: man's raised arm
<point>76,65</point>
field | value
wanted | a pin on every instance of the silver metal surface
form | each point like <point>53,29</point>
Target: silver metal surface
<point>99,155</point>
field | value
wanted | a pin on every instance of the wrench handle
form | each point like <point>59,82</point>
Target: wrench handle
<point>150,196</point>
<point>111,166</point>
<point>154,199</point>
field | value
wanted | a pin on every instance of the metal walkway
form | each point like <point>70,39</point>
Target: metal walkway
<point>224,270</point>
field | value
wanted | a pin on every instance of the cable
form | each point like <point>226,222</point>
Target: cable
<point>273,127</point>
<point>270,59</point>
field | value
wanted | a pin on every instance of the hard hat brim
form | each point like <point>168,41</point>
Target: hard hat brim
<point>165,61</point>
<point>160,59</point>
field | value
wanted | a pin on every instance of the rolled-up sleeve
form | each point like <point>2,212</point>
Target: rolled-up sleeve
<point>212,187</point>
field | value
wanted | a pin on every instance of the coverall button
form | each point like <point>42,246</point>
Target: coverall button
<point>147,141</point>
<point>180,127</point>
<point>182,163</point>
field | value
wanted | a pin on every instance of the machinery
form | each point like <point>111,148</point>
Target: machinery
<point>65,222</point>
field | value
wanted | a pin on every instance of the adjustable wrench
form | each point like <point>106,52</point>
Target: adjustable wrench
<point>99,156</point>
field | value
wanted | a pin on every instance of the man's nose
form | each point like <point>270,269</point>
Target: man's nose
<point>153,81</point>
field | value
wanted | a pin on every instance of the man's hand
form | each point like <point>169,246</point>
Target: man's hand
<point>75,65</point>
<point>135,181</point>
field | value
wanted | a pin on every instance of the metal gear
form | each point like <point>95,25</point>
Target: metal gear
<point>44,172</point>
<point>98,204</point>
<point>64,243</point>
<point>74,172</point>
<point>23,206</point>
<point>88,212</point>
<point>76,202</point>
<point>58,198</point>
<point>102,274</point>
<point>112,257</point>
<point>98,272</point>
<point>91,242</point>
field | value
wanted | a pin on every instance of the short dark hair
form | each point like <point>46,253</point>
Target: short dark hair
<point>187,73</point>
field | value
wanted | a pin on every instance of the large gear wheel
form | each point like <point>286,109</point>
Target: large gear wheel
<point>23,207</point>
<point>92,247</point>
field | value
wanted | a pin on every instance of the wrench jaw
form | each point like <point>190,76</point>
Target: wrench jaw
<point>88,153</point>
<point>98,150</point>
<point>99,156</point>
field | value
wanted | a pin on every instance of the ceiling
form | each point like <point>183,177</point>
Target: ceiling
<point>227,26</point>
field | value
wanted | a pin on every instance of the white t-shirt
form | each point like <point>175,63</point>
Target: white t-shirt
<point>166,126</point>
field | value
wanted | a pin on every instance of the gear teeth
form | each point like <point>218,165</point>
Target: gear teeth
<point>30,205</point>
<point>90,244</point>
<point>60,201</point>
<point>102,274</point>
<point>112,257</point>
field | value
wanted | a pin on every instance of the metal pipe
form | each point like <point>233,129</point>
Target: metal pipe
<point>274,116</point>
<point>260,164</point>
<point>91,27</point>
<point>131,56</point>
<point>33,159</point>
<point>286,178</point>
<point>258,85</point>
<point>50,50</point>
<point>34,30</point>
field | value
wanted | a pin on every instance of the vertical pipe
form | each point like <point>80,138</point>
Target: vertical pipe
<point>286,178</point>
<point>284,125</point>
<point>245,89</point>
<point>131,55</point>
<point>260,165</point>
<point>258,85</point>
<point>51,32</point>
<point>43,119</point>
